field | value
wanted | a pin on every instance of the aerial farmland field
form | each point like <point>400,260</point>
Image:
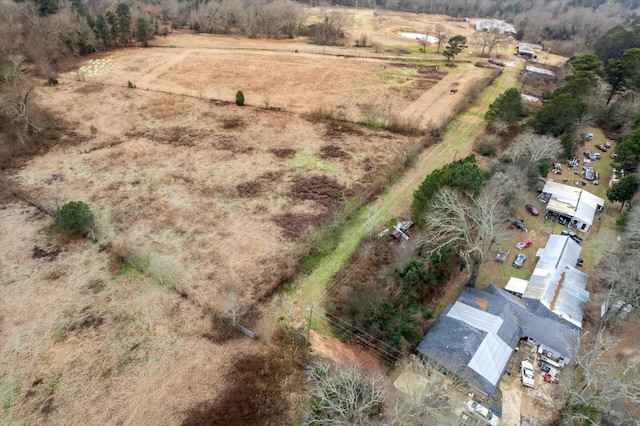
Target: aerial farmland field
<point>195,199</point>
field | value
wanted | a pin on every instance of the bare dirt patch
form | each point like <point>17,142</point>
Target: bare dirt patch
<point>283,152</point>
<point>43,253</point>
<point>319,188</point>
<point>343,353</point>
<point>335,129</point>
<point>293,225</point>
<point>333,151</point>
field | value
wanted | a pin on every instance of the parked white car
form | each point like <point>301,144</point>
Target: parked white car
<point>481,412</point>
<point>526,373</point>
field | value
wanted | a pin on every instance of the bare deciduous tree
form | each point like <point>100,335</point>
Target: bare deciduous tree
<point>516,152</point>
<point>620,270</point>
<point>489,40</point>
<point>342,395</point>
<point>533,147</point>
<point>599,380</point>
<point>16,106</point>
<point>440,33</point>
<point>513,184</point>
<point>499,126</point>
<point>233,306</point>
<point>331,29</point>
<point>469,224</point>
<point>424,42</point>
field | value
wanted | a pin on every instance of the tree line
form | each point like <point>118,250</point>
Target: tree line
<point>575,23</point>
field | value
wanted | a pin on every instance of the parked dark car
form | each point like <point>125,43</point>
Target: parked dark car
<point>601,148</point>
<point>592,155</point>
<point>519,224</point>
<point>580,262</point>
<point>519,260</point>
<point>532,209</point>
<point>572,235</point>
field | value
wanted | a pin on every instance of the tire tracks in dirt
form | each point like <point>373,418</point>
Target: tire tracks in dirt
<point>433,106</point>
<point>158,71</point>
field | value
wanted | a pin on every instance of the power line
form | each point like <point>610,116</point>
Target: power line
<point>370,340</point>
<point>363,332</point>
<point>367,344</point>
<point>351,269</point>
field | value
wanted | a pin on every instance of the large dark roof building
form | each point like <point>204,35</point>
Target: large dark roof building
<point>475,337</point>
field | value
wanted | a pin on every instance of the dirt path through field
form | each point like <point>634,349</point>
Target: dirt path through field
<point>458,143</point>
<point>166,66</point>
<point>437,104</point>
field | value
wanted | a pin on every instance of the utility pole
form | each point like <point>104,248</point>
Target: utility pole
<point>545,59</point>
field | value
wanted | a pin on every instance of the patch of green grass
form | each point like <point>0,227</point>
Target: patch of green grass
<point>400,78</point>
<point>59,335</point>
<point>308,161</point>
<point>129,270</point>
<point>53,387</point>
<point>9,387</point>
<point>128,354</point>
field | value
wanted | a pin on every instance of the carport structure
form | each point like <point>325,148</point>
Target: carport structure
<point>572,205</point>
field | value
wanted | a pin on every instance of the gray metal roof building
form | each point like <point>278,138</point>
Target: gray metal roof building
<point>491,24</point>
<point>542,325</point>
<point>475,337</point>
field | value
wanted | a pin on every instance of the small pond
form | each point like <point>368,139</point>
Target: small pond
<point>416,36</point>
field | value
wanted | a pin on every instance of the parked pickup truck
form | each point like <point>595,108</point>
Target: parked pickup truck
<point>502,255</point>
<point>526,373</point>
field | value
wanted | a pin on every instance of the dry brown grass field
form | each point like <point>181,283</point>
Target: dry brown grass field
<point>193,196</point>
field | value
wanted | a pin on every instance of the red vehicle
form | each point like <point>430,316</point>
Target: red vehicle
<point>524,244</point>
<point>532,209</point>
<point>601,148</point>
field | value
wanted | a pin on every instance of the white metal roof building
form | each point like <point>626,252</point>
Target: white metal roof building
<point>575,204</point>
<point>555,281</point>
<point>516,286</point>
<point>491,24</point>
<point>539,70</point>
